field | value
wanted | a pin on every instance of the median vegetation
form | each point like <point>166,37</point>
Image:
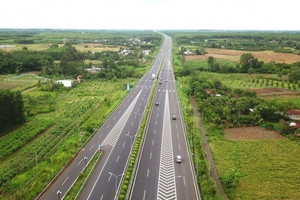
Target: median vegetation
<point>76,189</point>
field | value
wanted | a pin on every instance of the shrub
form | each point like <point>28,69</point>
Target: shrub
<point>231,178</point>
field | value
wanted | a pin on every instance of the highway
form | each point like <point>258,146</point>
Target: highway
<point>158,175</point>
<point>115,138</point>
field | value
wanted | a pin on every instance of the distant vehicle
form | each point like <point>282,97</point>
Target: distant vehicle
<point>160,78</point>
<point>178,159</point>
<point>153,76</point>
<point>174,117</point>
<point>160,82</point>
<point>157,103</point>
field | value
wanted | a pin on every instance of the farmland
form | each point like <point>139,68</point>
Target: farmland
<point>234,55</point>
<point>53,133</point>
<point>84,47</point>
<point>252,162</point>
<point>269,167</point>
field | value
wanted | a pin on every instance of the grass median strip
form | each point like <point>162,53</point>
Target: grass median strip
<point>131,168</point>
<point>75,191</point>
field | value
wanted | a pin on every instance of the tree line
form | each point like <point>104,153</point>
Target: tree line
<point>11,109</point>
<point>226,107</point>
<point>71,62</point>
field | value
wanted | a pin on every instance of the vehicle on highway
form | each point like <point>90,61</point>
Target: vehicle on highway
<point>160,82</point>
<point>174,117</point>
<point>178,159</point>
<point>153,76</point>
<point>157,103</point>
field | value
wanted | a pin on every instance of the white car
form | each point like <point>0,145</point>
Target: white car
<point>178,159</point>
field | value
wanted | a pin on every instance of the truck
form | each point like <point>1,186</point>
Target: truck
<point>153,76</point>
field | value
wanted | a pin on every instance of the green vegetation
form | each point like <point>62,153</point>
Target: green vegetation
<point>205,182</point>
<point>266,168</point>
<point>60,120</point>
<point>51,136</point>
<point>74,192</point>
<point>253,169</point>
<point>11,110</point>
<point>287,42</point>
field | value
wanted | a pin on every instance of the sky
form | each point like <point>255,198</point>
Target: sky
<point>151,14</point>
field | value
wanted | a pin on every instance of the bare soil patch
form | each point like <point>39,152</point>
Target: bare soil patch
<point>251,133</point>
<point>272,92</point>
<point>234,55</point>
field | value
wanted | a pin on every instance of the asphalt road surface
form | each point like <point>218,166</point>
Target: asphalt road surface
<point>158,175</point>
<point>115,138</point>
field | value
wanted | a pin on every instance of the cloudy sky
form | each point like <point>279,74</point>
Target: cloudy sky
<point>152,14</point>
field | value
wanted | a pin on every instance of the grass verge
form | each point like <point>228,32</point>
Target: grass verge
<point>75,191</point>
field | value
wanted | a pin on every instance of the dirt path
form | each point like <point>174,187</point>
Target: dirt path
<point>213,170</point>
<point>28,90</point>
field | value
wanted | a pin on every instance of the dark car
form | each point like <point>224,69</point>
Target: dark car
<point>157,103</point>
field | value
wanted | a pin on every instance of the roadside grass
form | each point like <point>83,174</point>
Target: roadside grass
<point>270,168</point>
<point>47,141</point>
<point>75,191</point>
<point>205,182</point>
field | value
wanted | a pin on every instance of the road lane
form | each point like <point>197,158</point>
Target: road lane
<point>78,164</point>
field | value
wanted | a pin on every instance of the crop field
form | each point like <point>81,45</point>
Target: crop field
<point>269,167</point>
<point>275,92</point>
<point>22,82</point>
<point>250,133</point>
<point>95,47</point>
<point>234,55</point>
<point>34,152</point>
<point>85,47</point>
<point>266,86</point>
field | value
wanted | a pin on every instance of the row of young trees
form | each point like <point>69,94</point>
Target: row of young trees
<point>11,109</point>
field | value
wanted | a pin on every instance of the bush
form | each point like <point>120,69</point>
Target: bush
<point>231,179</point>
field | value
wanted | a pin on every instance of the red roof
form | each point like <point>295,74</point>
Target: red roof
<point>293,112</point>
<point>208,91</point>
<point>297,125</point>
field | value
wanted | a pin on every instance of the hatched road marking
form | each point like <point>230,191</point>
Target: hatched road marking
<point>166,181</point>
<point>114,134</point>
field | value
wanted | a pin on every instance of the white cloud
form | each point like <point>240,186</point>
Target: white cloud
<point>151,14</point>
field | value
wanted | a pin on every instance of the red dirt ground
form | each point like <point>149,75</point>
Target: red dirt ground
<point>234,55</point>
<point>251,133</point>
<point>272,92</point>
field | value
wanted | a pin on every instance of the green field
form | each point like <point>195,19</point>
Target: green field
<point>33,153</point>
<point>269,168</point>
<point>20,83</point>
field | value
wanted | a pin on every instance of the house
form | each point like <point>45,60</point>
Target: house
<point>293,114</point>
<point>93,70</point>
<point>188,53</point>
<point>146,52</point>
<point>295,125</point>
<point>66,83</point>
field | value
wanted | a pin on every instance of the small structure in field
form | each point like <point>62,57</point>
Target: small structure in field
<point>295,125</point>
<point>79,77</point>
<point>66,83</point>
<point>293,114</point>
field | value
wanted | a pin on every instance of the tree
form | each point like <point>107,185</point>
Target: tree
<point>248,61</point>
<point>284,127</point>
<point>294,75</point>
<point>11,109</point>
